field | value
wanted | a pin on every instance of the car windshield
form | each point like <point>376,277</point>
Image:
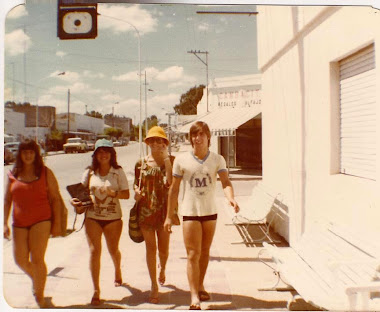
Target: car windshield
<point>74,140</point>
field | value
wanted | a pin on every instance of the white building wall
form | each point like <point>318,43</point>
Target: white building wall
<point>14,123</point>
<point>227,92</point>
<point>299,48</point>
<point>79,122</point>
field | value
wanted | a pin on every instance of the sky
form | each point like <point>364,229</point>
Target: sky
<point>102,73</point>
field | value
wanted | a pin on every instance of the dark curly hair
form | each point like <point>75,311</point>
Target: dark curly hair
<point>28,145</point>
<point>95,164</point>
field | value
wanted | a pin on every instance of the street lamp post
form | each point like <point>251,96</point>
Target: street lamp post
<point>139,73</point>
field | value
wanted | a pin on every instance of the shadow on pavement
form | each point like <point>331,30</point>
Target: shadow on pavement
<point>176,298</point>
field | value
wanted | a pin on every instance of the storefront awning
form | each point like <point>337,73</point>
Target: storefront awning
<point>224,121</point>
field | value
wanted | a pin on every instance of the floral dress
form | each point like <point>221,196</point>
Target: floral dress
<point>152,206</point>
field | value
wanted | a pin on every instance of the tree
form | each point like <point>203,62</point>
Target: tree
<point>189,101</point>
<point>114,132</point>
<point>94,114</point>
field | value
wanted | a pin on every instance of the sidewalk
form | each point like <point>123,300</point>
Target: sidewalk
<point>233,278</point>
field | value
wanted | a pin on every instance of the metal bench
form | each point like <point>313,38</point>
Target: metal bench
<point>257,209</point>
<point>328,270</point>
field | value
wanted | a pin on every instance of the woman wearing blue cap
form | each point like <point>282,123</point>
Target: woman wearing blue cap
<point>107,183</point>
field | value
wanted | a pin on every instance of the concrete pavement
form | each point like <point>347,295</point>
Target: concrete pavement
<point>234,275</point>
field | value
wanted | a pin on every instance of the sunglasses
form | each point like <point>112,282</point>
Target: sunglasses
<point>155,140</point>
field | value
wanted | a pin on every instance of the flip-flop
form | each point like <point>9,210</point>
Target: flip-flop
<point>118,282</point>
<point>161,280</point>
<point>203,295</point>
<point>196,306</point>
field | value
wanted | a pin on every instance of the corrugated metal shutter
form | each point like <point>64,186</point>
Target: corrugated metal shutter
<point>358,114</point>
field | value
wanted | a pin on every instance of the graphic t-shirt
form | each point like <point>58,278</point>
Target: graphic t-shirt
<point>105,207</point>
<point>199,177</point>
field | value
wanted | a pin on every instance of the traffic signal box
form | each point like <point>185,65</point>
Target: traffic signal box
<point>77,19</point>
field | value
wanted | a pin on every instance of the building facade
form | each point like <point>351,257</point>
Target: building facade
<point>79,123</point>
<point>321,130</point>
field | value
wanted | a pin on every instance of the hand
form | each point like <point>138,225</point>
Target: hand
<point>168,225</point>
<point>235,205</point>
<point>75,202</point>
<point>55,230</point>
<point>110,191</point>
<point>164,151</point>
<point>7,232</point>
<point>138,194</point>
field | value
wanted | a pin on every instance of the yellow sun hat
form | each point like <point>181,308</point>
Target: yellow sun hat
<point>156,132</point>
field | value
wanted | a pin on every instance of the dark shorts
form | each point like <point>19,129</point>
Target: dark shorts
<point>200,219</point>
<point>103,223</point>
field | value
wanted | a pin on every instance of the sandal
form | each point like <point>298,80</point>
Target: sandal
<point>95,301</point>
<point>161,276</point>
<point>196,306</point>
<point>203,295</point>
<point>118,282</point>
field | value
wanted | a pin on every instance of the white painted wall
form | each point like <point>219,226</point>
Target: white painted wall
<point>299,48</point>
<point>14,123</point>
<point>78,121</point>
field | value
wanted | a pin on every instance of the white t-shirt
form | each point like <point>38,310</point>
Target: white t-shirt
<point>105,207</point>
<point>199,177</point>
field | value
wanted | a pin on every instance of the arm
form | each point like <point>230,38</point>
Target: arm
<point>168,170</point>
<point>7,209</point>
<point>228,189</point>
<point>172,202</point>
<point>55,202</point>
<point>123,188</point>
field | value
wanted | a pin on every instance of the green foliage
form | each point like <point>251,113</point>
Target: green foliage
<point>114,132</point>
<point>56,135</point>
<point>189,101</point>
<point>94,114</point>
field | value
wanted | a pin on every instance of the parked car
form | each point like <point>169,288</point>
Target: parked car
<point>116,143</point>
<point>12,147</point>
<point>8,156</point>
<point>90,145</point>
<point>75,145</point>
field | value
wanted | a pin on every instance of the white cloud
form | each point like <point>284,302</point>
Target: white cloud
<point>170,73</point>
<point>60,54</point>
<point>169,25</point>
<point>17,12</point>
<point>17,42</point>
<point>204,27</point>
<point>111,98</point>
<point>90,74</point>
<point>68,76</point>
<point>131,76</point>
<point>185,81</point>
<point>116,18</point>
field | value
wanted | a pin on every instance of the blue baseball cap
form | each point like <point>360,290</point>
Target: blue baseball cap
<point>103,143</point>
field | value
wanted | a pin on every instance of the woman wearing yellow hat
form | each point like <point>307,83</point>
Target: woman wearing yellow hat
<point>152,194</point>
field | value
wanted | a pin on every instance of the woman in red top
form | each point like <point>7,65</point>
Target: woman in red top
<point>28,186</point>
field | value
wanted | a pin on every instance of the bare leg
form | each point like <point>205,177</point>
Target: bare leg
<point>208,230</point>
<point>94,239</point>
<point>38,240</point>
<point>112,233</point>
<point>21,250</point>
<point>192,234</point>
<point>151,254</point>
<point>163,238</point>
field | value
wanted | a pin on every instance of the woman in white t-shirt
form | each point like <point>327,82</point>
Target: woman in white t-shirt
<point>198,169</point>
<point>107,183</point>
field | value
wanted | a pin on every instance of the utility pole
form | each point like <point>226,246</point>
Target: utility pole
<point>170,131</point>
<point>68,112</point>
<point>206,63</point>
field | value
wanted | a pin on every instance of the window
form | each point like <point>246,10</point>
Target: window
<point>358,114</point>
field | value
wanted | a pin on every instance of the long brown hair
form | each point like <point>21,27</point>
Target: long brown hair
<point>28,145</point>
<point>200,126</point>
<point>113,161</point>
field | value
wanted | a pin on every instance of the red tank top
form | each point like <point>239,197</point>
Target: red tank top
<point>30,200</point>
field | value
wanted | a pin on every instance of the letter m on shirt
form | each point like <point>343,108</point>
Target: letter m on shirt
<point>200,183</point>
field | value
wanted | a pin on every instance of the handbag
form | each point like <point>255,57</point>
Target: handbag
<point>62,209</point>
<point>134,230</point>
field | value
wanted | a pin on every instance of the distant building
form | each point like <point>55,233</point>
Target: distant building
<point>233,113</point>
<point>123,123</point>
<point>14,123</point>
<point>80,123</point>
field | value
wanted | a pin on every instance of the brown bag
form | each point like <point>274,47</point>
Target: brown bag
<point>62,210</point>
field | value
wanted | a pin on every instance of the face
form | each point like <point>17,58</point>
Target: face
<point>199,139</point>
<point>156,142</point>
<point>103,156</point>
<point>28,156</point>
